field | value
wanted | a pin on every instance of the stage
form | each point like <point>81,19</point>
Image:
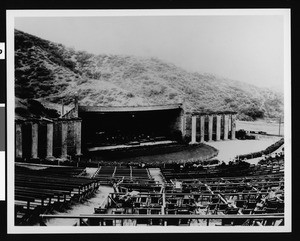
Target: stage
<point>154,153</point>
<point>127,146</point>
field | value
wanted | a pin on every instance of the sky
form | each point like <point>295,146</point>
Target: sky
<point>245,48</point>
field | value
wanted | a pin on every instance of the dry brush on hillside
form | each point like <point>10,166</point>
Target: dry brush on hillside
<point>50,72</point>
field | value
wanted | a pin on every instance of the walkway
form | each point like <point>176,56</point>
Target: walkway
<point>228,150</point>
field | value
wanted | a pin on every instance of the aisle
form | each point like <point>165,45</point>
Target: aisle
<point>156,174</point>
<point>229,149</point>
<point>256,160</point>
<point>81,208</point>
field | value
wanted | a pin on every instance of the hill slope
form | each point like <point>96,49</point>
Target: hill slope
<point>50,72</point>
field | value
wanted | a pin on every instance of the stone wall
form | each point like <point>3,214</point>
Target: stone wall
<point>177,125</point>
<point>188,126</point>
<point>48,139</point>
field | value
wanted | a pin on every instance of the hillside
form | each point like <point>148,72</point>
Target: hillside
<point>50,72</point>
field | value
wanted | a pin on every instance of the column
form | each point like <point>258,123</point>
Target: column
<point>233,127</point>
<point>182,124</point>
<point>34,138</point>
<point>188,125</point>
<point>64,144</point>
<point>218,128</point>
<point>78,137</point>
<point>225,127</point>
<point>193,129</point>
<point>49,140</point>
<point>210,127</point>
<point>183,127</point>
<point>202,128</point>
<point>76,107</point>
<point>19,147</point>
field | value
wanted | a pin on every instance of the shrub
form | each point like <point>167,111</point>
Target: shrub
<point>172,95</point>
<point>129,95</point>
<point>69,64</point>
<point>82,81</point>
<point>253,111</point>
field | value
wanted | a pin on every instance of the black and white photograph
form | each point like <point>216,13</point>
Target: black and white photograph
<point>149,121</point>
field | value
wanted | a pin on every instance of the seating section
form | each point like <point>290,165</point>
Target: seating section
<point>249,195</point>
<point>122,172</point>
<point>110,174</point>
<point>178,195</point>
<point>264,167</point>
<point>140,173</point>
<point>40,190</point>
<point>106,171</point>
<point>141,181</point>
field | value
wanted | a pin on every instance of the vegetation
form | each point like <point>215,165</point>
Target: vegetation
<point>31,108</point>
<point>50,72</point>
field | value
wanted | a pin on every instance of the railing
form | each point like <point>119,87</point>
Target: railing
<point>85,220</point>
<point>195,193</point>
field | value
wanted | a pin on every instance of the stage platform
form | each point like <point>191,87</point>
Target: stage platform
<point>159,153</point>
<point>118,147</point>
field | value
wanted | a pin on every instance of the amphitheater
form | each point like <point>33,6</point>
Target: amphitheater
<point>142,166</point>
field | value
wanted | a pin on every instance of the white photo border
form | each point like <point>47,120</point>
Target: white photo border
<point>12,14</point>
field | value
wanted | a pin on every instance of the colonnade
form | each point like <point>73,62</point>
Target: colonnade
<point>35,136</point>
<point>221,126</point>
